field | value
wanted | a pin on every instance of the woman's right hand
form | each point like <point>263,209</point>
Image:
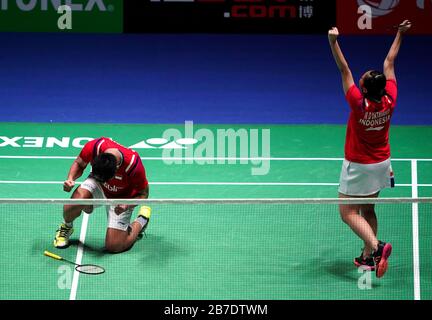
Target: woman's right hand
<point>68,185</point>
<point>405,26</point>
<point>333,34</point>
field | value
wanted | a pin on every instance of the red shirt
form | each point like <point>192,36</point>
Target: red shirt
<point>367,136</point>
<point>129,179</point>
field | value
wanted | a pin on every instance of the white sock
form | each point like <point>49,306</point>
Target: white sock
<point>68,224</point>
<point>142,221</point>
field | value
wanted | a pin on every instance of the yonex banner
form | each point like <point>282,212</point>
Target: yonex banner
<point>234,16</point>
<point>104,16</point>
<point>379,16</point>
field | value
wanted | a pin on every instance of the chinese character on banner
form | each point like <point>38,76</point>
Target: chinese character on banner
<point>379,16</point>
<point>306,11</point>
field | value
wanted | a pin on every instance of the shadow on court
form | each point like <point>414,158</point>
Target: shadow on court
<point>95,251</point>
<point>345,270</point>
<point>157,250</point>
<point>341,269</point>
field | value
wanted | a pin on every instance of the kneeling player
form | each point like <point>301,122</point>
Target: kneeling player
<point>117,172</point>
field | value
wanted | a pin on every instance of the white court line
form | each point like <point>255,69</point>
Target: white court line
<point>415,230</point>
<point>215,183</point>
<point>207,158</point>
<point>244,183</point>
<point>194,183</point>
<point>79,256</point>
<point>36,157</point>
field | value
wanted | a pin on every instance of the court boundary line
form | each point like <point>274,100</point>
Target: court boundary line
<point>213,158</point>
<point>79,256</point>
<point>415,231</point>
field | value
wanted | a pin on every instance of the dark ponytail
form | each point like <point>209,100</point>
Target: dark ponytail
<point>375,84</point>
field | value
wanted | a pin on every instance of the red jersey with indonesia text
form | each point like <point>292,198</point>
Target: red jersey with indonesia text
<point>367,137</point>
<point>130,177</point>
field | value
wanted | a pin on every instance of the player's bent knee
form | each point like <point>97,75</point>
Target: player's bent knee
<point>345,220</point>
<point>114,247</point>
<point>115,241</point>
<point>88,209</point>
<point>343,216</point>
<point>72,209</point>
<point>81,193</point>
<point>368,213</point>
<point>346,214</point>
<point>343,211</point>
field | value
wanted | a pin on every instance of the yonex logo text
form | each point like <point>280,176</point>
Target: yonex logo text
<point>45,5</point>
<point>79,142</point>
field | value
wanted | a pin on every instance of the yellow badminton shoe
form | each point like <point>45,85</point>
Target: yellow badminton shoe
<point>63,233</point>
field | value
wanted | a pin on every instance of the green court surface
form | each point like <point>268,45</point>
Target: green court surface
<point>214,251</point>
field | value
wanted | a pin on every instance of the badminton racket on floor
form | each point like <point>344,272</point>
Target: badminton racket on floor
<point>83,268</point>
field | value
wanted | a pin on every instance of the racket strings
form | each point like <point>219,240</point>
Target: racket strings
<point>90,269</point>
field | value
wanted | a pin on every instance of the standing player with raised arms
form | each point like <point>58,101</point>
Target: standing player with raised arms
<point>366,169</point>
<point>117,172</point>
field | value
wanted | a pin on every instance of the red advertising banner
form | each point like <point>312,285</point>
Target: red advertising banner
<point>379,16</point>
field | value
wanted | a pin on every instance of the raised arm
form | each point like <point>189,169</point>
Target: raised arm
<point>389,63</point>
<point>347,78</point>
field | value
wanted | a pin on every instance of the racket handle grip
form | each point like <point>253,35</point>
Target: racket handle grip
<point>52,255</point>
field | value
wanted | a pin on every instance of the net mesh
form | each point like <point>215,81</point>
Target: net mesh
<point>214,249</point>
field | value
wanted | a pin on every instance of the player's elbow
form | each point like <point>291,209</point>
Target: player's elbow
<point>80,167</point>
<point>347,77</point>
<point>389,72</point>
<point>389,64</point>
<point>390,59</point>
<point>345,71</point>
<point>144,194</point>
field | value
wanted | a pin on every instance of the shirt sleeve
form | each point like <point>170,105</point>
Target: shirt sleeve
<point>87,152</point>
<point>138,178</point>
<point>391,89</point>
<point>354,97</point>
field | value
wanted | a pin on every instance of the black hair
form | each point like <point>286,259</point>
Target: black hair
<point>375,83</point>
<point>104,167</point>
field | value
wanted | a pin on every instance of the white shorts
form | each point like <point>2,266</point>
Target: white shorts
<point>358,179</point>
<point>115,221</point>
